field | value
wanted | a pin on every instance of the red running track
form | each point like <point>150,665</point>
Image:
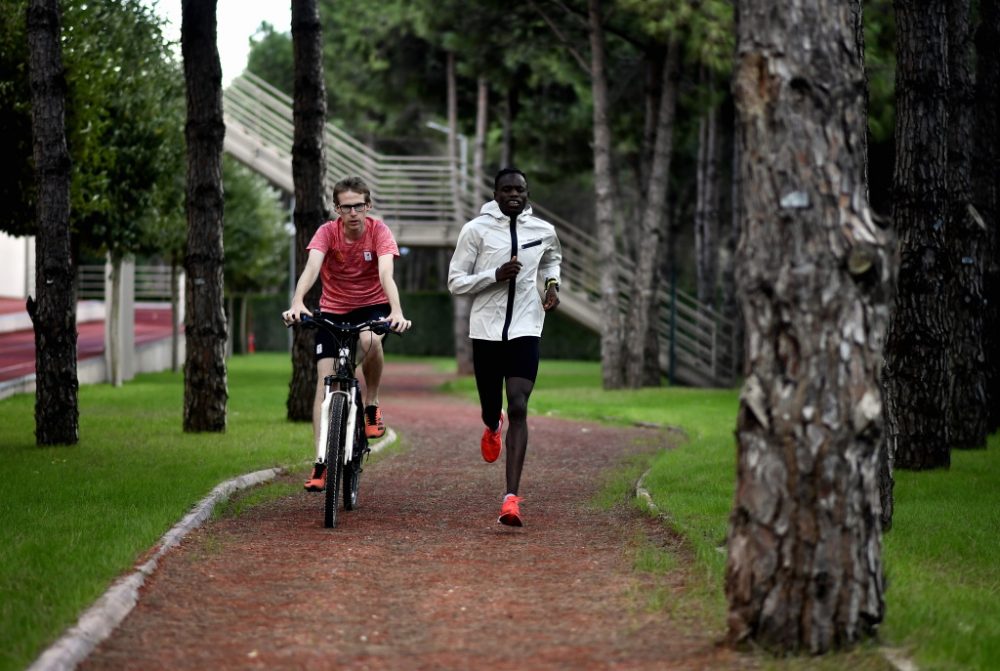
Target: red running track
<point>17,348</point>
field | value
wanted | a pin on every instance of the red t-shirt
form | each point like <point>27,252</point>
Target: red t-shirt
<point>350,269</point>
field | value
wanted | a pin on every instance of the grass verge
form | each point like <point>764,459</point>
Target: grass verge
<point>75,518</point>
<point>943,596</point>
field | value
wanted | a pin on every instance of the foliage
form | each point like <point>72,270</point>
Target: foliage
<point>880,66</point>
<point>17,189</point>
<point>271,57</point>
<point>124,120</point>
<point>255,238</point>
<point>127,106</point>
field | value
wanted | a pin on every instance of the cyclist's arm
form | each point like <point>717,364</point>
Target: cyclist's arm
<point>306,281</point>
<point>385,271</point>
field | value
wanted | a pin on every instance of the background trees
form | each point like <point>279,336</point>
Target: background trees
<point>256,245</point>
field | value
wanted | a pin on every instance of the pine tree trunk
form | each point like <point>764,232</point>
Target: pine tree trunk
<point>54,313</point>
<point>918,379</point>
<point>986,187</point>
<point>175,314</point>
<point>205,385</point>
<point>113,304</point>
<point>727,269</point>
<point>804,571</point>
<point>482,126</point>
<point>643,309</point>
<point>612,347</point>
<point>707,207</point>
<point>462,305</point>
<point>966,243</point>
<point>309,176</point>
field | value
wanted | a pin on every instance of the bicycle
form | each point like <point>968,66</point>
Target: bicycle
<point>342,444</point>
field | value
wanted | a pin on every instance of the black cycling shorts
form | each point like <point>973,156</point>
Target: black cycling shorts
<point>326,348</point>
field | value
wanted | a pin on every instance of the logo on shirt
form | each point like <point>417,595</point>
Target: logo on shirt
<point>368,256</point>
<point>338,256</point>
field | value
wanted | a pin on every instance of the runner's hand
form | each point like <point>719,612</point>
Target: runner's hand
<point>509,270</point>
<point>551,299</point>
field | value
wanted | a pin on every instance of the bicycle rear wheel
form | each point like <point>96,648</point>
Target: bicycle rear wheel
<point>336,433</point>
<point>352,471</point>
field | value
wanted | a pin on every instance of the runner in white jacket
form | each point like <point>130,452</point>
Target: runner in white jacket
<point>501,258</point>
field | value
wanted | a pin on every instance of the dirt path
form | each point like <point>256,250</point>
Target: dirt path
<point>422,576</point>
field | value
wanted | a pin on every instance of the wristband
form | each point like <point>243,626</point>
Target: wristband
<point>552,282</point>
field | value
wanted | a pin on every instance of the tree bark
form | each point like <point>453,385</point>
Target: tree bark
<point>966,243</point>
<point>175,314</point>
<point>114,305</point>
<point>918,379</point>
<point>706,213</point>
<point>643,308</point>
<point>508,146</point>
<point>482,126</point>
<point>727,269</point>
<point>612,347</point>
<point>309,176</point>
<point>53,315</point>
<point>205,385</point>
<point>462,305</point>
<point>804,571</point>
<point>885,476</point>
<point>986,187</point>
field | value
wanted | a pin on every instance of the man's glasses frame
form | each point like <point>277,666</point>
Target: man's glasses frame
<point>352,207</point>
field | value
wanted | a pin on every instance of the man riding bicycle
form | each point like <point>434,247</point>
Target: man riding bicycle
<point>353,256</point>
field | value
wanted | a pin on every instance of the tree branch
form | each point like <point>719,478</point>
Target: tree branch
<point>562,38</point>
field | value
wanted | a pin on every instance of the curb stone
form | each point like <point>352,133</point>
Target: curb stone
<point>896,657</point>
<point>110,610</point>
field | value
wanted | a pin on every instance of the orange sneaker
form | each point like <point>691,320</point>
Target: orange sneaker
<point>316,481</point>
<point>491,444</point>
<point>374,426</point>
<point>510,512</point>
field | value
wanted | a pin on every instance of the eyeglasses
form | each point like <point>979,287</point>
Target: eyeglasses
<point>352,207</point>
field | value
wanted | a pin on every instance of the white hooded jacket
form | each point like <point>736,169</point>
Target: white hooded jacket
<point>486,243</point>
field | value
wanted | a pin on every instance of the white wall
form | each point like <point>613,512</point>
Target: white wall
<point>17,266</point>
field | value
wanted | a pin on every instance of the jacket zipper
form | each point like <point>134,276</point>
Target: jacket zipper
<point>512,287</point>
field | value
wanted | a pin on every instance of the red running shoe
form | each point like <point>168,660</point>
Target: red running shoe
<point>316,481</point>
<point>491,444</point>
<point>374,426</point>
<point>510,512</point>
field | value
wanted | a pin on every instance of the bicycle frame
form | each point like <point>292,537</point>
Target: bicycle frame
<point>343,381</point>
<point>341,415</point>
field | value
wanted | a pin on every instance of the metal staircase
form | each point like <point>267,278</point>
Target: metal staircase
<point>415,196</point>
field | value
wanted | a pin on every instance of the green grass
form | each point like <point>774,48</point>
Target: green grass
<point>941,557</point>
<point>75,518</point>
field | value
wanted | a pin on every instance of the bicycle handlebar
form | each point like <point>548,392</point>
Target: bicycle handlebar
<point>376,326</point>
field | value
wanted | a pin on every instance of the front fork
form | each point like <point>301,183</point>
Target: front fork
<point>324,426</point>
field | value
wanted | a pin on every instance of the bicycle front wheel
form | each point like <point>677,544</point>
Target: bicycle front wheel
<point>352,471</point>
<point>337,431</point>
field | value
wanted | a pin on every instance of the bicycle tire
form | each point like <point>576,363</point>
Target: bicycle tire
<point>352,471</point>
<point>334,449</point>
